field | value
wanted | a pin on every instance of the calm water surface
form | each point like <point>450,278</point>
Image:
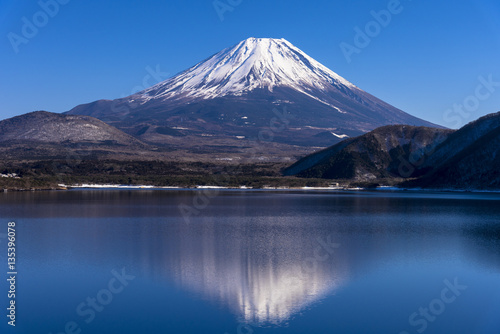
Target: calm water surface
<point>156,261</point>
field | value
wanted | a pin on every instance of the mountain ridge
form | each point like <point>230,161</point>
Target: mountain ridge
<point>375,155</point>
<point>466,158</point>
<point>45,126</point>
<point>42,134</point>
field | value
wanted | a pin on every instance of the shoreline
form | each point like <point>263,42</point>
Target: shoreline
<point>63,187</point>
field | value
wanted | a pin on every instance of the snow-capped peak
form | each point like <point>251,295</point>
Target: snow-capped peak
<point>253,63</point>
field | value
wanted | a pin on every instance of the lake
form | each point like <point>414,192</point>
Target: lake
<point>249,261</point>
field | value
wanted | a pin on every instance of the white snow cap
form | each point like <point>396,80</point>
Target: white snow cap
<point>250,64</point>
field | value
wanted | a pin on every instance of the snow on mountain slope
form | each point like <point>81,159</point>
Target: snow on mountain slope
<point>252,63</point>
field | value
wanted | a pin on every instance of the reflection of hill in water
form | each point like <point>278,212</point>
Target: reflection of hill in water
<point>262,270</point>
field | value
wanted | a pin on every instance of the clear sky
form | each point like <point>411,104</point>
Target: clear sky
<point>428,57</point>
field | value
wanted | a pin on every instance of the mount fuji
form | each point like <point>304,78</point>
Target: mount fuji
<point>260,85</point>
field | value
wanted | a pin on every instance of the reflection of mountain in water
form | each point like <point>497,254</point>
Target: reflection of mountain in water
<point>264,271</point>
<point>245,250</point>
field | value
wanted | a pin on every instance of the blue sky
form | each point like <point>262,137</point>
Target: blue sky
<point>438,60</point>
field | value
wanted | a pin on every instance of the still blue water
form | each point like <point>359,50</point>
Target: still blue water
<point>156,261</point>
